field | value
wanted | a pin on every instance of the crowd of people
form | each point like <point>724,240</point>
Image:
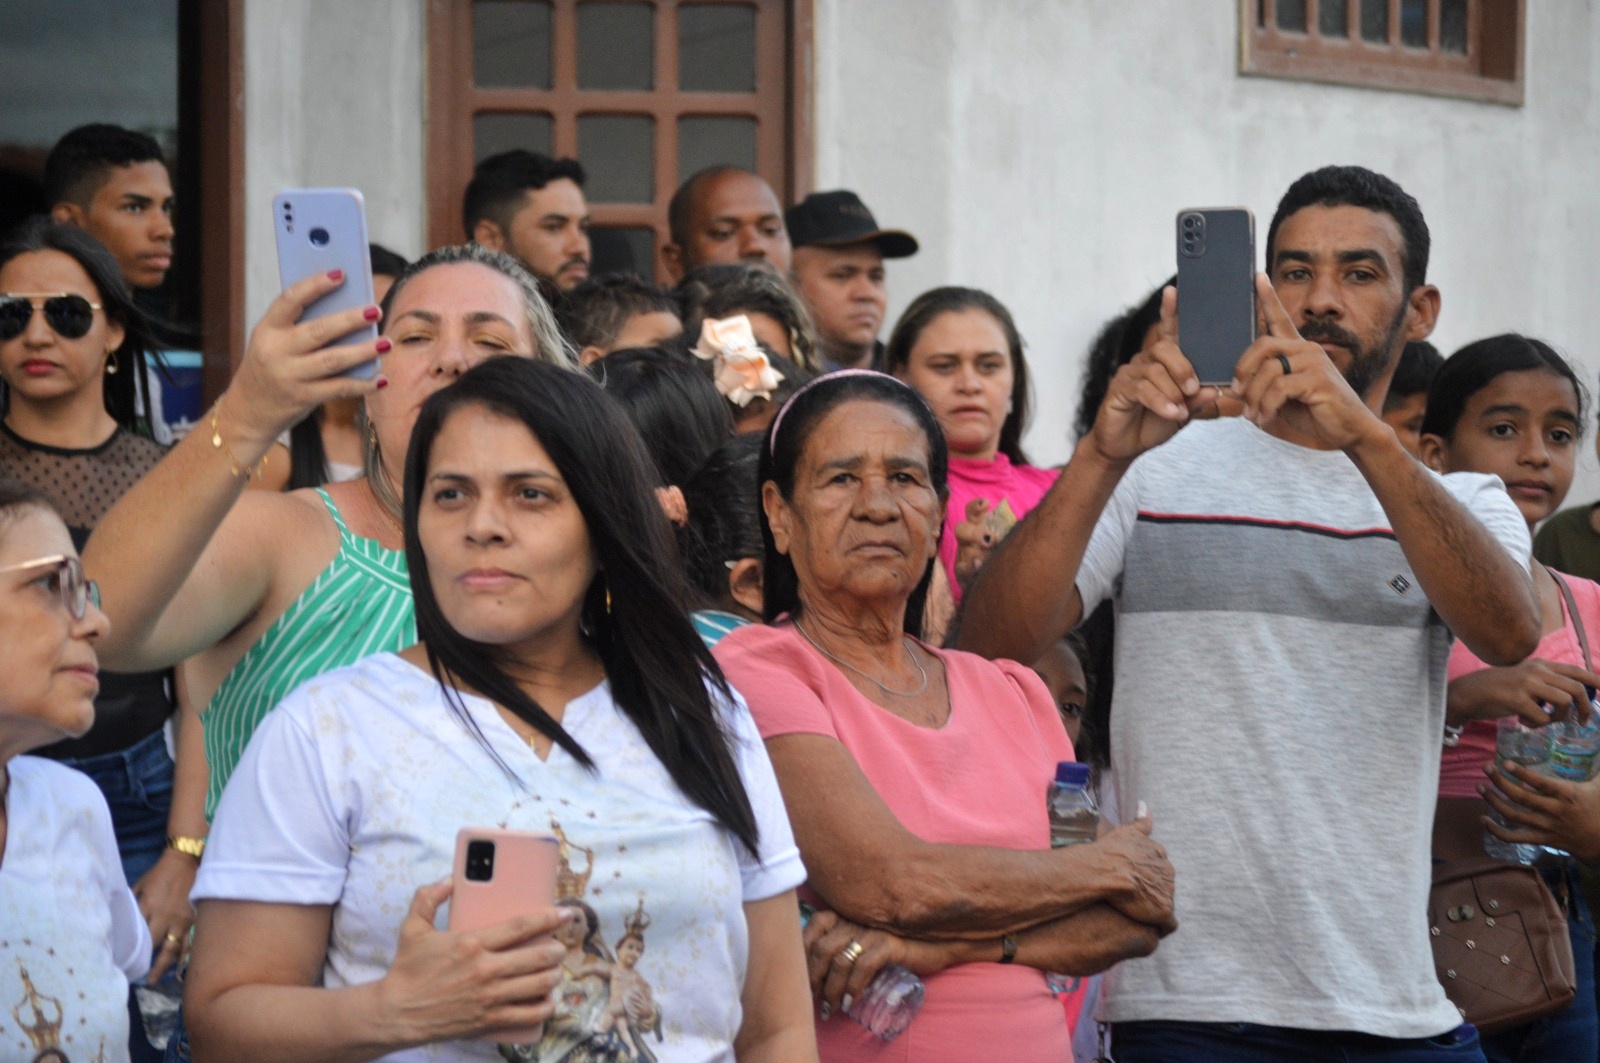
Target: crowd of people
<point>771,626</point>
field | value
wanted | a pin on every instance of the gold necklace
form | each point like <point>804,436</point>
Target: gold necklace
<point>886,688</point>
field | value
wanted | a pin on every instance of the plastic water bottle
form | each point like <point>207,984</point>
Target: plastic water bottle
<point>1574,744</point>
<point>1074,818</point>
<point>1518,743</point>
<point>891,1000</point>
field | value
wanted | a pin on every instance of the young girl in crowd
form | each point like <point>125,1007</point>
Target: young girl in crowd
<point>75,355</point>
<point>71,937</point>
<point>558,688</point>
<point>1511,406</point>
<point>960,350</point>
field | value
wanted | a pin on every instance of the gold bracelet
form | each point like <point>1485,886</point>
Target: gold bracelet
<point>233,463</point>
<point>187,846</point>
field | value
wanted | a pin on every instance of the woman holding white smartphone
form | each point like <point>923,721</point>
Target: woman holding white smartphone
<point>557,687</point>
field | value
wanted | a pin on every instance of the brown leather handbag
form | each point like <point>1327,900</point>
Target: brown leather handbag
<point>1500,941</point>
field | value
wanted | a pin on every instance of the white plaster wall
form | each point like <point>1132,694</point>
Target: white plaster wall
<point>333,97</point>
<point>1040,149</point>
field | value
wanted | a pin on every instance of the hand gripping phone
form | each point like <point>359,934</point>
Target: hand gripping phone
<point>323,229</point>
<point>499,875</point>
<point>1216,289</point>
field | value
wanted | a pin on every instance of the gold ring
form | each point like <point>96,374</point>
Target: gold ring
<point>852,952</point>
<point>173,939</point>
<point>1283,360</point>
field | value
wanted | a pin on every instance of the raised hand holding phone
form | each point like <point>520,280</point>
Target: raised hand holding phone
<point>1152,396</point>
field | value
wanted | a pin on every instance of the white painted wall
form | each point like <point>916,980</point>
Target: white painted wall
<point>1040,149</point>
<point>333,97</point>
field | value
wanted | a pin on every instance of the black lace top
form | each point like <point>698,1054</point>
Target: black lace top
<point>84,485</point>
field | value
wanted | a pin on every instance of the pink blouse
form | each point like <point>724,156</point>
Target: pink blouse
<point>1461,765</point>
<point>978,780</point>
<point>1020,487</point>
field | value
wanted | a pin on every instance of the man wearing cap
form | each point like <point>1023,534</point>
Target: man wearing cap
<point>838,269</point>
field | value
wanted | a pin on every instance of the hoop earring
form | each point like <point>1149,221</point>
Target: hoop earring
<point>111,363</point>
<point>608,601</point>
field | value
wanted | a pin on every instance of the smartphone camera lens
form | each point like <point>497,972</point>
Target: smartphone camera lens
<point>319,237</point>
<point>480,859</point>
<point>1190,221</point>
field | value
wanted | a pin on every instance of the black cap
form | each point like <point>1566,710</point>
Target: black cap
<point>833,219</point>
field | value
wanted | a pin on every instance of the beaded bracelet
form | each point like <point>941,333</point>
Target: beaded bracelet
<point>233,463</point>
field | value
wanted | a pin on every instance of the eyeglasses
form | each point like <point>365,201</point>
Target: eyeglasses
<point>77,593</point>
<point>70,315</point>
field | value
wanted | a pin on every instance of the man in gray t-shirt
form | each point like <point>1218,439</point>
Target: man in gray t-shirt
<point>1286,584</point>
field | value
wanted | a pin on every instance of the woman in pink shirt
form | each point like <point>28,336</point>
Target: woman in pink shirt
<point>915,778</point>
<point>960,350</point>
<point>1511,406</point>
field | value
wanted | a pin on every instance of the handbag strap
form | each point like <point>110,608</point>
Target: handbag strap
<point>1572,612</point>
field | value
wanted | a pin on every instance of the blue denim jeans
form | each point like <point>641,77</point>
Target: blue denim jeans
<point>137,784</point>
<point>1574,1031</point>
<point>1241,1042</point>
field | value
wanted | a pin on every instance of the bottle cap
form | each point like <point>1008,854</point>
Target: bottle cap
<point>1072,773</point>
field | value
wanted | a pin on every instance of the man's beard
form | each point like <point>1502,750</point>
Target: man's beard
<point>1368,362</point>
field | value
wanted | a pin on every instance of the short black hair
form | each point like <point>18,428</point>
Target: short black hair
<point>386,262</point>
<point>1357,186</point>
<point>682,201</point>
<point>1419,362</point>
<point>500,181</point>
<point>77,165</point>
<point>594,313</point>
<point>724,502</point>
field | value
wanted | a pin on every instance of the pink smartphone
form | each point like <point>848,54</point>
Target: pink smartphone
<point>499,875</point>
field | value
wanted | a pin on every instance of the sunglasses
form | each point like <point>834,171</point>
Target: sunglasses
<point>77,593</point>
<point>70,315</point>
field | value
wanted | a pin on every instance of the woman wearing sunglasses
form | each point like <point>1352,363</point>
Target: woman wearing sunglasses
<point>71,937</point>
<point>74,355</point>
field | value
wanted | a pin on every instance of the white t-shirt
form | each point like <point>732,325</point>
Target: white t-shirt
<point>71,936</point>
<point>1279,702</point>
<point>352,791</point>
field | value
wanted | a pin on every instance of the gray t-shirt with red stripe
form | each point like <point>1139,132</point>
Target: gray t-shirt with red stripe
<point>1279,705</point>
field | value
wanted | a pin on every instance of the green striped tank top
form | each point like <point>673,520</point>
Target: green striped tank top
<point>357,606</point>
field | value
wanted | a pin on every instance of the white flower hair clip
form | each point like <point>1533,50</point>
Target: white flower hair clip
<point>740,369</point>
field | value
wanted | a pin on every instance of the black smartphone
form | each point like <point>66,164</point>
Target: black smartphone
<point>1216,289</point>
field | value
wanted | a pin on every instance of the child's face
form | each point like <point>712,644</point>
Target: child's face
<point>629,951</point>
<point>1062,673</point>
<point>1406,420</point>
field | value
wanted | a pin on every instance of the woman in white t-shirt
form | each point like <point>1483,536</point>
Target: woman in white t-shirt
<point>71,936</point>
<point>557,687</point>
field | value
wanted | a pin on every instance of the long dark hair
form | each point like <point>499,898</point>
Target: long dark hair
<point>932,304</point>
<point>786,442</point>
<point>674,405</point>
<point>127,391</point>
<point>1470,370</point>
<point>658,668</point>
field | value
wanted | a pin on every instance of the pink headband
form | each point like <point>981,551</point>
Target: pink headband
<point>839,374</point>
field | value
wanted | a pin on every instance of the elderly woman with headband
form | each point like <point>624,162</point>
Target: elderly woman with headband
<point>265,591</point>
<point>861,719</point>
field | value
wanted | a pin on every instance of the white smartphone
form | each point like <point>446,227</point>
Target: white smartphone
<point>323,229</point>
